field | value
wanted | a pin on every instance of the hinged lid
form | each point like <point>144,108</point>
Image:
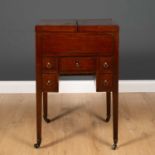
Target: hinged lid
<point>96,25</point>
<point>57,25</point>
<point>80,25</point>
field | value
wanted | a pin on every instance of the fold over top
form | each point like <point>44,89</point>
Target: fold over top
<point>77,25</point>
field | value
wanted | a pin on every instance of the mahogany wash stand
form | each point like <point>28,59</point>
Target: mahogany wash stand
<point>77,47</point>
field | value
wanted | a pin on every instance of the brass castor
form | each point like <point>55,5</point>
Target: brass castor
<point>37,145</point>
<point>47,120</point>
<point>107,119</point>
<point>114,146</point>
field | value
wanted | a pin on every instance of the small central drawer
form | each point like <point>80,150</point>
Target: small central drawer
<point>76,65</point>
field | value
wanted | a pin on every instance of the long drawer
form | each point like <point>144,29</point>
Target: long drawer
<point>60,43</point>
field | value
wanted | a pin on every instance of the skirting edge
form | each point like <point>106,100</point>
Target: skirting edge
<point>77,86</point>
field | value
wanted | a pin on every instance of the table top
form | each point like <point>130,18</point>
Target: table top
<point>76,25</point>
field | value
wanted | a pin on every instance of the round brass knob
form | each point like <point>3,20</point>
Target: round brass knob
<point>105,82</point>
<point>77,64</point>
<point>48,65</point>
<point>106,65</point>
<point>49,83</point>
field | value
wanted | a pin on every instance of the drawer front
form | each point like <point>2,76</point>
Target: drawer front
<point>77,65</point>
<point>59,43</point>
<point>49,64</point>
<point>50,82</point>
<point>105,64</point>
<point>104,82</point>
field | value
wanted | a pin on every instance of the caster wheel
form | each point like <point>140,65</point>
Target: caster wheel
<point>114,146</point>
<point>107,119</point>
<point>47,120</point>
<point>36,145</point>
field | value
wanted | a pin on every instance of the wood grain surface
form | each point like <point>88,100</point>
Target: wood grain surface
<point>77,126</point>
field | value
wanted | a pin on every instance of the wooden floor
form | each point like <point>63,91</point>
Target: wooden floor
<point>78,129</point>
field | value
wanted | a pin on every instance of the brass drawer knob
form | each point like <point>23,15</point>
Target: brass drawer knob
<point>48,65</point>
<point>49,83</point>
<point>106,65</point>
<point>105,82</point>
<point>77,64</point>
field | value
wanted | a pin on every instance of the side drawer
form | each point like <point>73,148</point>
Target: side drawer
<point>50,82</point>
<point>77,65</point>
<point>104,82</point>
<point>49,64</point>
<point>105,64</point>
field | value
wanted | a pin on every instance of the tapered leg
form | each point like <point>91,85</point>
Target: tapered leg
<point>45,107</point>
<point>108,100</point>
<point>115,119</point>
<point>38,117</point>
